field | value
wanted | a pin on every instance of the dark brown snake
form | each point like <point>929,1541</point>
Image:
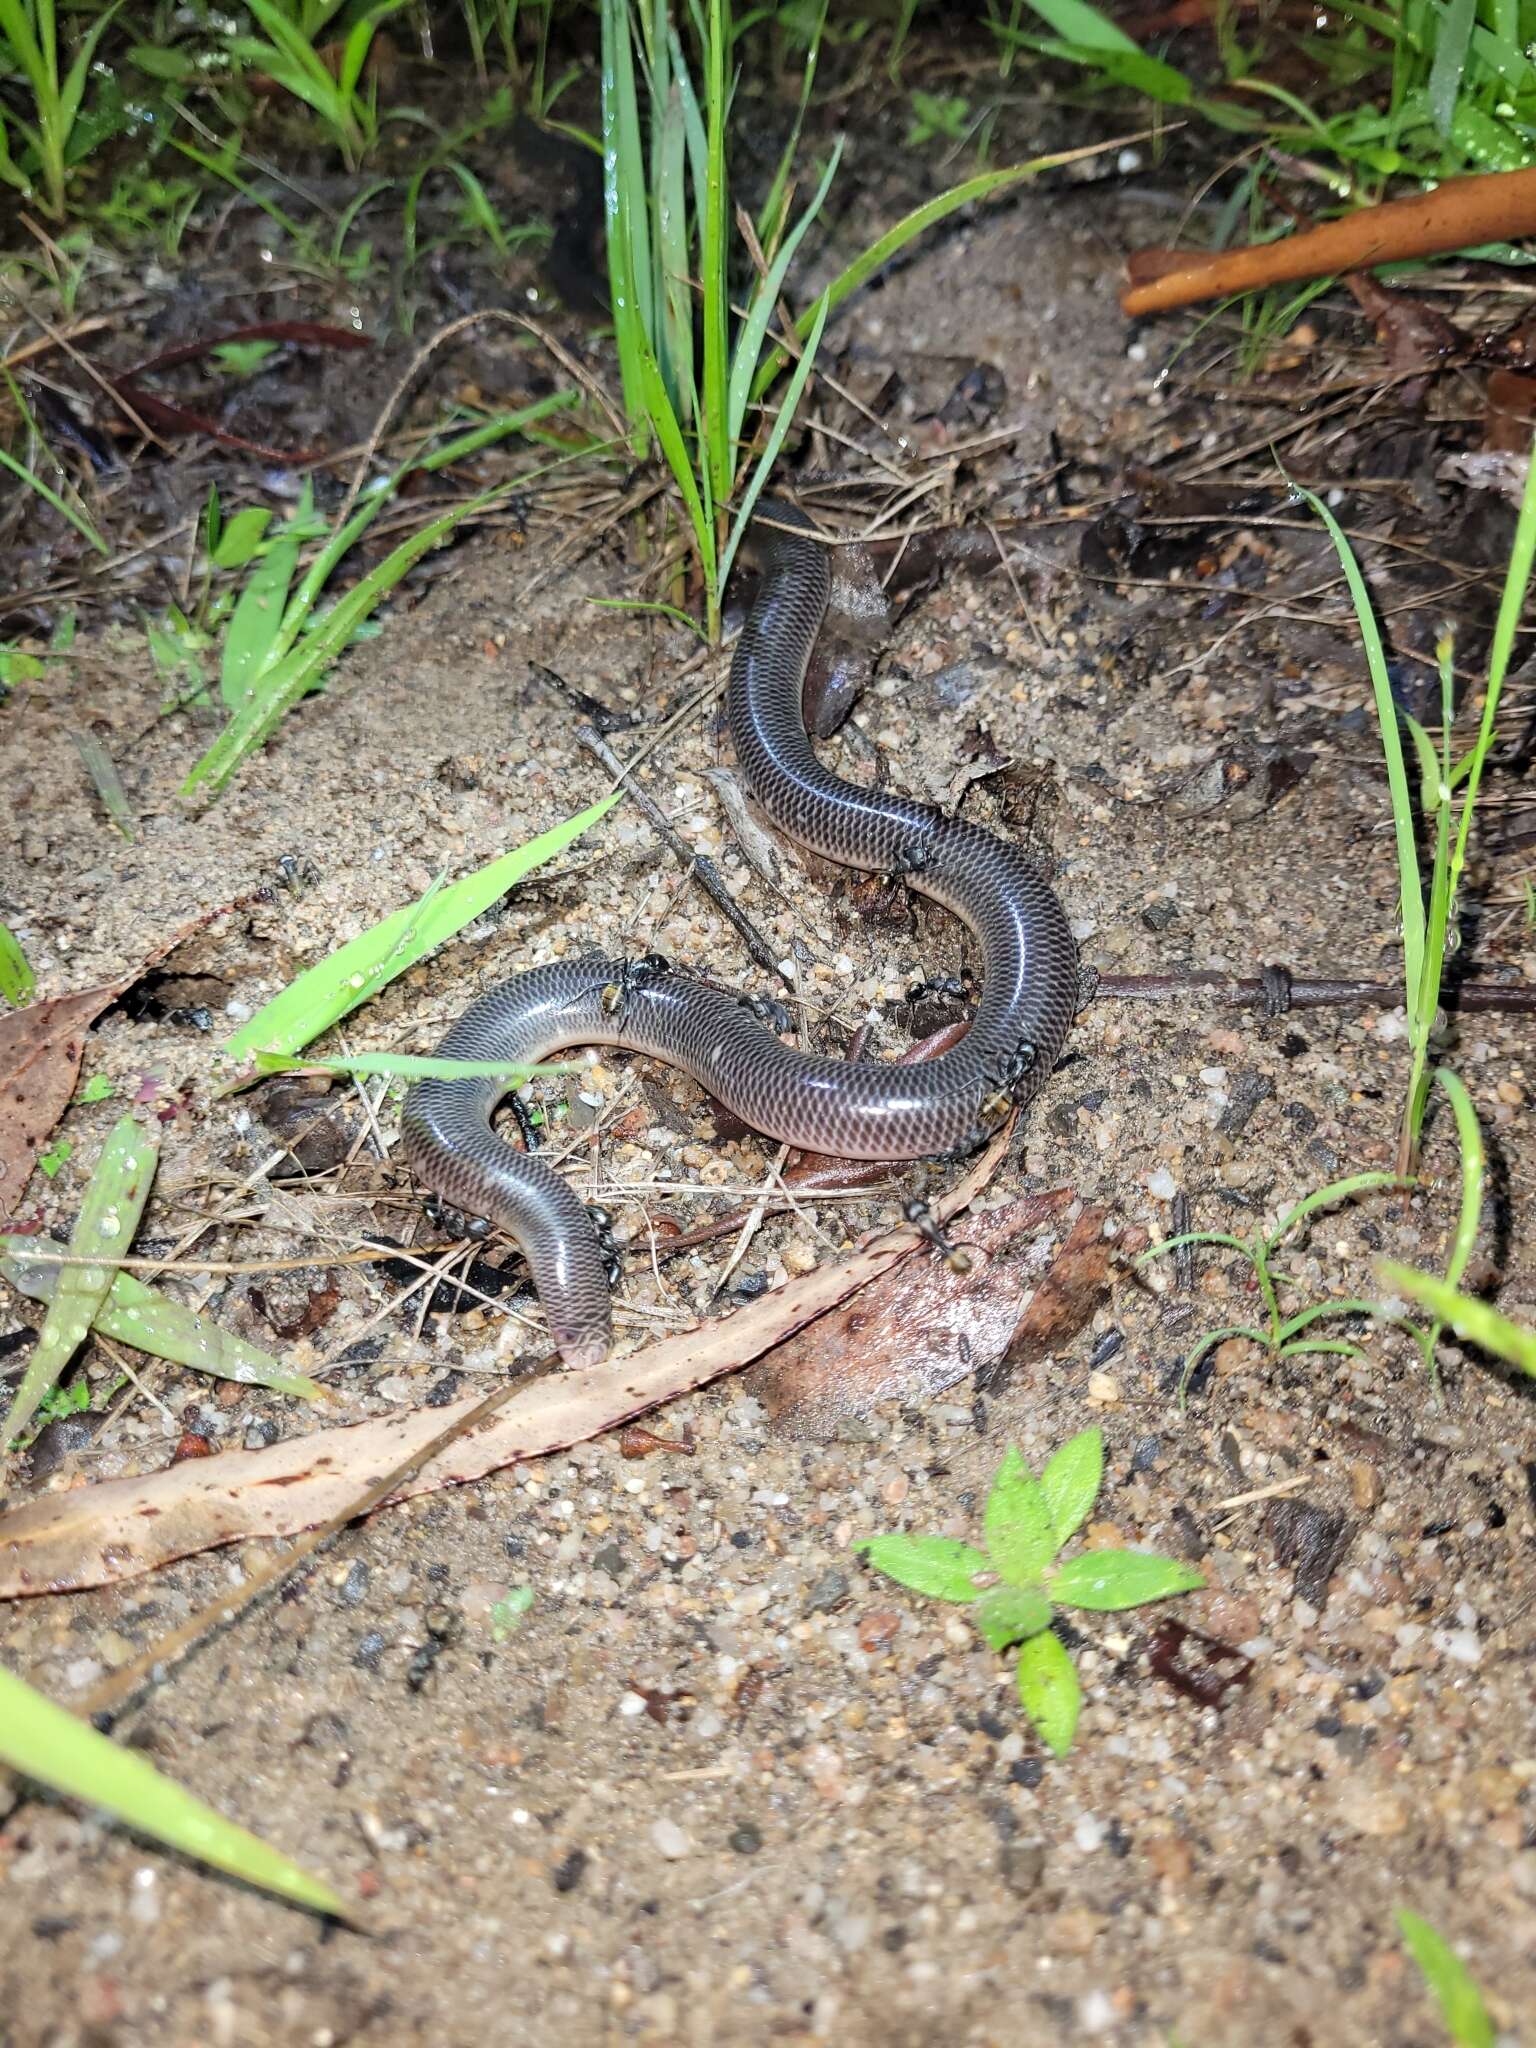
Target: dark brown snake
<point>848,1109</point>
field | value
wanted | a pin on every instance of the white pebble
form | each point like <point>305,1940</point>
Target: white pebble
<point>670,1839</point>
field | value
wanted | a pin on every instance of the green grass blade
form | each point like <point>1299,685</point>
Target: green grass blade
<point>77,519</point>
<point>1076,22</point>
<point>1473,1173</point>
<point>623,193</point>
<point>1173,1244</point>
<point>139,1315</point>
<point>73,90</point>
<point>49,1744</point>
<point>17,980</point>
<point>770,221</point>
<point>775,441</point>
<point>716,284</point>
<point>669,434</point>
<point>15,22</point>
<point>109,1216</point>
<point>675,291</point>
<point>1324,1198</point>
<point>1453,38</point>
<point>1454,1987</point>
<point>895,239</point>
<point>1474,1321</point>
<point>1410,886</point>
<point>254,637</point>
<point>1305,1318</point>
<point>410,1066</point>
<point>287,681</point>
<point>1517,582</point>
<point>352,974</point>
<point>754,329</point>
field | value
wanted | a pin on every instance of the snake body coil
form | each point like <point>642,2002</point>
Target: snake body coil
<point>849,1109</point>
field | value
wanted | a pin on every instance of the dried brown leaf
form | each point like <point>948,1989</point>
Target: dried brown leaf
<point>97,1535</point>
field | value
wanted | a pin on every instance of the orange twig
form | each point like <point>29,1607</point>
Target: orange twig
<point>1500,206</point>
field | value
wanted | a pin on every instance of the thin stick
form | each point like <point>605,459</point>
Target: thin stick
<point>1278,992</point>
<point>698,865</point>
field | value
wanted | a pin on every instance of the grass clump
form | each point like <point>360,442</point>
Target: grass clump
<point>1445,798</point>
<point>693,306</point>
<point>1013,1587</point>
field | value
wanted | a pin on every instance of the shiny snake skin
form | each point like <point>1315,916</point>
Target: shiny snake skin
<point>849,1109</point>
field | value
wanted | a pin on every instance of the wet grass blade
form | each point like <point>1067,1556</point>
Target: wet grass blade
<point>109,1215</point>
<point>139,1315</point>
<point>775,441</point>
<point>410,1066</point>
<point>46,1742</point>
<point>349,976</point>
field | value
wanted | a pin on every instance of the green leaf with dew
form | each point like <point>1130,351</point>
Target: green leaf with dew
<point>1104,1581</point>
<point>936,1565</point>
<point>47,1743</point>
<point>1049,1691</point>
<point>150,1321</point>
<point>109,1216</point>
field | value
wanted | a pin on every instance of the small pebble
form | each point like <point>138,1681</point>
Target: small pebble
<point>669,1839</point>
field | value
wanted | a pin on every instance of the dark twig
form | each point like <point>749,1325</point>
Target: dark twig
<point>1276,991</point>
<point>600,716</point>
<point>1184,1257</point>
<point>699,865</point>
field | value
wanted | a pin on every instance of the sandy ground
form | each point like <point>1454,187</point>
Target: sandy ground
<point>724,1784</point>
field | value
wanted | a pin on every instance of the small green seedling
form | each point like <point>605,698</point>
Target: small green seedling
<point>281,640</point>
<point>1287,1335</point>
<point>243,358</point>
<point>97,1089</point>
<point>1454,1987</point>
<point>56,1157</point>
<point>508,1614</point>
<point>1013,1589</point>
<point>937,117</point>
